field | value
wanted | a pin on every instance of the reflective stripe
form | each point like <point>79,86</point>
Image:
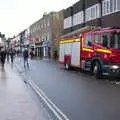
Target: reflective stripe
<point>69,41</point>
<point>103,50</point>
<point>66,41</point>
<point>87,49</point>
<point>77,40</point>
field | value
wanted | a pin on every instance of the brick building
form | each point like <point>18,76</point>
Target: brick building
<point>46,33</point>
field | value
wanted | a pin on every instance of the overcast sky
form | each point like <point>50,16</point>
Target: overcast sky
<point>16,15</point>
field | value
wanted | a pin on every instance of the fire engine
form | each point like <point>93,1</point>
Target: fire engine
<point>97,51</point>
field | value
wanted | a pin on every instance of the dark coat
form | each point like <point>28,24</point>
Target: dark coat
<point>25,54</point>
<point>2,56</point>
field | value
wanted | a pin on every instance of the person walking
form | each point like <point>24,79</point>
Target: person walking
<point>2,57</point>
<point>12,55</point>
<point>25,57</point>
<point>7,54</point>
<point>31,54</point>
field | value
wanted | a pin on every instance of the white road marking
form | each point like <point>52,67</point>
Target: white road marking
<point>57,112</point>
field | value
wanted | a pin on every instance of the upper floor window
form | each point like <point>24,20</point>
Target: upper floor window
<point>92,12</point>
<point>68,22</point>
<point>110,6</point>
<point>48,23</point>
<point>78,18</point>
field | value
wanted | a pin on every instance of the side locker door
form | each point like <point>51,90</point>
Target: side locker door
<point>75,59</point>
<point>61,52</point>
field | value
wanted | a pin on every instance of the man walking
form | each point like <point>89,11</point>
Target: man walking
<point>2,57</point>
<point>12,53</point>
<point>26,56</point>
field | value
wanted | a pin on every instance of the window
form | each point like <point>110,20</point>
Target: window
<point>105,39</point>
<point>115,41</point>
<point>96,11</point>
<point>96,38</point>
<point>78,18</point>
<point>68,22</point>
<point>103,8</point>
<point>41,25</point>
<point>48,36</point>
<point>115,5</point>
<point>92,12</point>
<point>48,23</point>
<point>118,5</point>
<point>88,40</point>
<point>110,6</point>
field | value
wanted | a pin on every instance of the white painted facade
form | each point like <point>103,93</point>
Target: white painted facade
<point>110,6</point>
<point>68,22</point>
<point>78,18</point>
<point>93,12</point>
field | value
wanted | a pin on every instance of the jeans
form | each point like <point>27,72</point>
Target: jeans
<point>26,62</point>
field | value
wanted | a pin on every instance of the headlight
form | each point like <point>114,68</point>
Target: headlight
<point>114,66</point>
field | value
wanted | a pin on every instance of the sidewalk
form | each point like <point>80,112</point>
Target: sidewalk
<point>16,102</point>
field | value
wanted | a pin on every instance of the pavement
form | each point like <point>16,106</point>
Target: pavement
<point>16,100</point>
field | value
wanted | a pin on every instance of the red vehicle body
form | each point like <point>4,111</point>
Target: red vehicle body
<point>97,51</point>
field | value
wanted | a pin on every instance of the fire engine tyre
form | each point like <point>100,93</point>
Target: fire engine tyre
<point>67,65</point>
<point>97,70</point>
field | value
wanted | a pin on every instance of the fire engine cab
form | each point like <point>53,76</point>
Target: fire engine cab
<point>97,51</point>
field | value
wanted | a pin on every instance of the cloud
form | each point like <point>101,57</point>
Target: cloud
<point>17,15</point>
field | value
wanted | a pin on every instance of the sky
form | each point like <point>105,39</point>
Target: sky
<point>17,15</point>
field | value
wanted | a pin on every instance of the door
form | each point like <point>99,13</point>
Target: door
<point>75,59</point>
<point>61,52</point>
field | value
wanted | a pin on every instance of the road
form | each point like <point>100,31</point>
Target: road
<point>78,95</point>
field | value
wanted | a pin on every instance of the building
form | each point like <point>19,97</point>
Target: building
<point>110,13</point>
<point>2,40</point>
<point>45,34</point>
<point>15,42</point>
<point>22,40</point>
<point>93,13</point>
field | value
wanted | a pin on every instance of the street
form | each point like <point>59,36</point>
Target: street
<point>78,95</point>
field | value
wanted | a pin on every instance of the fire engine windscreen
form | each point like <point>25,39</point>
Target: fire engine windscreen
<point>115,40</point>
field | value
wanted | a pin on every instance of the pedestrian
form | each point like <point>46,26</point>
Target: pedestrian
<point>12,55</point>
<point>55,55</point>
<point>7,54</point>
<point>31,54</point>
<point>17,52</point>
<point>2,57</point>
<point>25,57</point>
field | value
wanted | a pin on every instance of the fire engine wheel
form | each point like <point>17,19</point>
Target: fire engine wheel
<point>67,65</point>
<point>97,70</point>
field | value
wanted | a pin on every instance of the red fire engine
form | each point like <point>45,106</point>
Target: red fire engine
<point>96,50</point>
